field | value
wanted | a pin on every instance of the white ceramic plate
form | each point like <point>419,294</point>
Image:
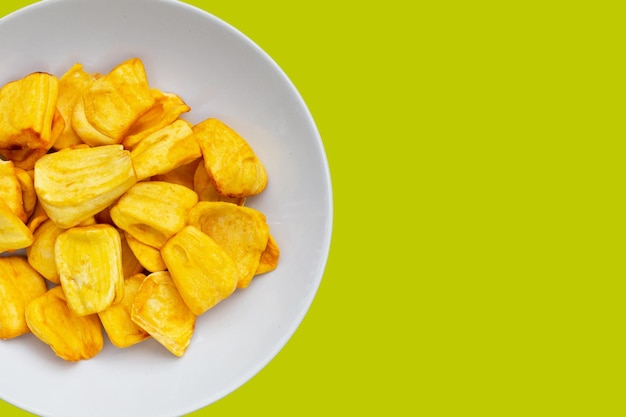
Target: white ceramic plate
<point>219,73</point>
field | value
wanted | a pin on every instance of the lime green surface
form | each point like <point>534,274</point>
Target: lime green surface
<point>477,262</point>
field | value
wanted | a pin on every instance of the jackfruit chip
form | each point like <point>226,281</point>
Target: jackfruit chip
<point>26,158</point>
<point>122,331</point>
<point>10,190</point>
<point>159,309</point>
<point>269,257</point>
<point>75,184</point>
<point>166,109</point>
<point>70,336</point>
<point>241,231</point>
<point>182,175</point>
<point>27,186</point>
<point>37,218</point>
<point>203,272</point>
<point>149,257</point>
<point>15,235</point>
<point>41,254</point>
<point>72,85</point>
<point>230,161</point>
<point>153,211</point>
<point>112,104</point>
<point>130,264</point>
<point>27,107</point>
<point>89,261</point>
<point>165,149</point>
<point>203,186</point>
<point>19,285</point>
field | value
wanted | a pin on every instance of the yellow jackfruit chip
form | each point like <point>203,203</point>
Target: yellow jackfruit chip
<point>10,190</point>
<point>166,109</point>
<point>182,175</point>
<point>41,254</point>
<point>122,331</point>
<point>130,264</point>
<point>165,149</point>
<point>19,285</point>
<point>70,336</point>
<point>159,309</point>
<point>89,262</point>
<point>203,272</point>
<point>241,231</point>
<point>72,85</point>
<point>15,235</point>
<point>112,104</point>
<point>153,211</point>
<point>37,218</point>
<point>203,186</point>
<point>230,161</point>
<point>148,256</point>
<point>75,184</point>
<point>27,186</point>
<point>269,257</point>
<point>27,107</point>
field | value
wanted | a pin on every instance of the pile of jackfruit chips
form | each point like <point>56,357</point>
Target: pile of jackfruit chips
<point>132,219</point>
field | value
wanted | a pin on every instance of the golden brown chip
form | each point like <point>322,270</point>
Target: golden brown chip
<point>122,331</point>
<point>15,234</point>
<point>27,186</point>
<point>203,272</point>
<point>269,257</point>
<point>153,211</point>
<point>112,104</point>
<point>242,232</point>
<point>159,309</point>
<point>72,85</point>
<point>203,186</point>
<point>165,149</point>
<point>10,190</point>
<point>182,175</point>
<point>89,262</point>
<point>148,256</point>
<point>76,184</point>
<point>41,254</point>
<point>230,161</point>
<point>166,109</point>
<point>27,107</point>
<point>70,336</point>
<point>19,285</point>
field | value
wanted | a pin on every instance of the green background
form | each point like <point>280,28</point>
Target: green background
<point>477,261</point>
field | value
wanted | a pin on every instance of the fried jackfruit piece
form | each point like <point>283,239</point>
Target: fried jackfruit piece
<point>72,85</point>
<point>230,161</point>
<point>153,211</point>
<point>182,175</point>
<point>27,186</point>
<point>70,336</point>
<point>166,109</point>
<point>19,285</point>
<point>203,272</point>
<point>112,104</point>
<point>159,309</point>
<point>37,218</point>
<point>89,261</point>
<point>15,235</point>
<point>75,184</point>
<point>203,186</point>
<point>10,189</point>
<point>149,257</point>
<point>41,254</point>
<point>130,263</point>
<point>269,257</point>
<point>27,107</point>
<point>241,231</point>
<point>122,331</point>
<point>165,149</point>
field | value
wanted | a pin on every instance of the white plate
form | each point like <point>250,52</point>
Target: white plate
<point>219,73</point>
